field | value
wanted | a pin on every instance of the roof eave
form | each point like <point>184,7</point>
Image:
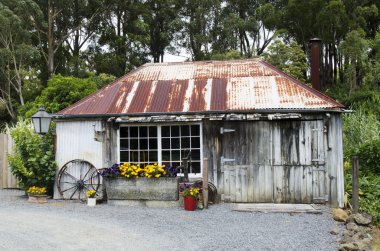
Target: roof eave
<point>319,110</point>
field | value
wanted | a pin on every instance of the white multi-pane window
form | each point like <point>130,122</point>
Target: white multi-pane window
<point>138,144</point>
<point>166,144</point>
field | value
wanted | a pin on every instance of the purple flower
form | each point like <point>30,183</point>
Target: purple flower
<point>113,171</point>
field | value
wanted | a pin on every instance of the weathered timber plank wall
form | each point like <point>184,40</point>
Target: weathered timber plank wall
<point>286,161</point>
<point>7,180</point>
<point>334,159</point>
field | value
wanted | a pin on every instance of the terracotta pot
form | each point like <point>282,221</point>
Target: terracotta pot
<point>38,198</point>
<point>190,203</point>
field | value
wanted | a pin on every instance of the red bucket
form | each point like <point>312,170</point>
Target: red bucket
<point>190,203</point>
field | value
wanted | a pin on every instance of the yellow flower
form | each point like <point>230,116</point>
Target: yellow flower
<point>347,165</point>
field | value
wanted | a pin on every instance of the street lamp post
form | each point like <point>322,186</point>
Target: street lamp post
<point>41,121</point>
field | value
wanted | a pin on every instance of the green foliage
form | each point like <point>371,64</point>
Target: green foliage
<point>369,194</point>
<point>103,79</point>
<point>359,128</point>
<point>33,160</point>
<point>17,55</point>
<point>289,58</point>
<point>365,100</point>
<point>228,55</point>
<point>61,92</point>
<point>355,45</point>
<point>161,18</point>
<point>361,136</point>
<point>369,154</point>
<point>197,21</point>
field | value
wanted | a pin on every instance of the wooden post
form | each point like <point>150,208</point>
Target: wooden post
<point>205,182</point>
<point>355,184</point>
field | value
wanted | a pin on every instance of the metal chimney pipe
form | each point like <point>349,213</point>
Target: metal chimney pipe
<point>315,44</point>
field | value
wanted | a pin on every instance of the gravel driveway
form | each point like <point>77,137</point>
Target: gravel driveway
<point>61,225</point>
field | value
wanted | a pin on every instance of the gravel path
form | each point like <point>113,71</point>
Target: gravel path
<point>61,225</point>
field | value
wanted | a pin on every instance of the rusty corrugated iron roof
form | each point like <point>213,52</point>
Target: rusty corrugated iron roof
<point>237,85</point>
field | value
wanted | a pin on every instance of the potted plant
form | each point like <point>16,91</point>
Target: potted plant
<point>91,200</point>
<point>37,194</point>
<point>190,196</point>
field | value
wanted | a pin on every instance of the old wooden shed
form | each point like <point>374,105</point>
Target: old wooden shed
<point>267,136</point>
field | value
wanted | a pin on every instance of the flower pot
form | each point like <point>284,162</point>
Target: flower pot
<point>91,202</point>
<point>190,203</point>
<point>37,198</point>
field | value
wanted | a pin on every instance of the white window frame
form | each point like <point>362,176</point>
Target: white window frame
<point>159,142</point>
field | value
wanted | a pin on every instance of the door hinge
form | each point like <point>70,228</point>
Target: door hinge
<point>224,160</point>
<point>225,130</point>
<point>318,160</point>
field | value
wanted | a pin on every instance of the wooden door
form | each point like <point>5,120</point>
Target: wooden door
<point>294,172</point>
<point>298,162</point>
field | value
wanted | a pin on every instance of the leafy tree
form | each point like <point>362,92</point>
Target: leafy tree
<point>289,58</point>
<point>64,27</point>
<point>102,79</point>
<point>197,18</point>
<point>354,50</point>
<point>60,93</point>
<point>121,39</point>
<point>162,20</point>
<point>228,55</point>
<point>16,56</point>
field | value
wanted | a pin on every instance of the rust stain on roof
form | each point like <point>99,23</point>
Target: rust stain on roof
<point>236,85</point>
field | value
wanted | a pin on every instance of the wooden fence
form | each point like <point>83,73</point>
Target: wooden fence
<point>7,180</point>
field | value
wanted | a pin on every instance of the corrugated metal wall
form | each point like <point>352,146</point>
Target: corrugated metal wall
<point>76,140</point>
<point>7,180</point>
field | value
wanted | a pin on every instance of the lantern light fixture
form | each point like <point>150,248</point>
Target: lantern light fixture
<point>41,121</point>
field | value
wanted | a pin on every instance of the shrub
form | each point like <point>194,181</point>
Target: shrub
<point>369,194</point>
<point>33,160</point>
<point>359,128</point>
<point>369,154</point>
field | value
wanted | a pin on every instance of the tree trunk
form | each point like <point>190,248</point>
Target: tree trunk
<point>76,38</point>
<point>50,40</point>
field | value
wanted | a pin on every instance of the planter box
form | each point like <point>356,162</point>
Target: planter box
<point>161,189</point>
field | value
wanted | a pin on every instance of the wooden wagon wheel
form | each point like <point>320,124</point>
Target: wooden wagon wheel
<point>75,178</point>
